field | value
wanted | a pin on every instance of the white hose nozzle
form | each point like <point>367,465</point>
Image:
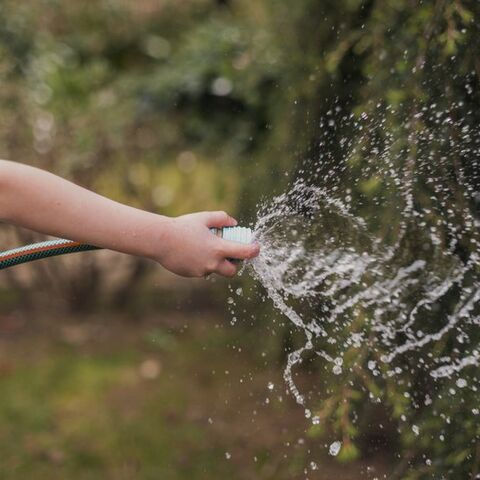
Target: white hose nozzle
<point>234,234</point>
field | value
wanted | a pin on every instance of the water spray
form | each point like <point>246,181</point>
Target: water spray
<point>53,248</point>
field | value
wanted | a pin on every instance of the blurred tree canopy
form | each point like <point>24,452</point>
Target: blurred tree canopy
<point>200,104</point>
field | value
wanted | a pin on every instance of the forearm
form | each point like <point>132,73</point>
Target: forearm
<point>43,202</point>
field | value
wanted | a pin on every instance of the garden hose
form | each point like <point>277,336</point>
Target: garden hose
<point>52,248</point>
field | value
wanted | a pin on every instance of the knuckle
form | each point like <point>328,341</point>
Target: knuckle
<point>210,267</point>
<point>222,214</point>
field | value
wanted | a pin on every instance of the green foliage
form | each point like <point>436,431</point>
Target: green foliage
<point>177,106</point>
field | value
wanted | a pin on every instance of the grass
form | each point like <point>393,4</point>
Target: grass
<point>110,399</point>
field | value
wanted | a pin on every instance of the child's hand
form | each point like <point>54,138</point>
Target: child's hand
<point>191,250</point>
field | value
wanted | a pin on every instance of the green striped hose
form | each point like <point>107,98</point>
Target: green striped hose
<point>36,251</point>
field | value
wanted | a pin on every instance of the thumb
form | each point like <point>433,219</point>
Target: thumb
<point>220,219</point>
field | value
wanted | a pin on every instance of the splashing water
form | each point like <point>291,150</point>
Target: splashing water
<point>375,257</point>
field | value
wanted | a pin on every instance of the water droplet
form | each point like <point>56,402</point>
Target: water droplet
<point>461,383</point>
<point>335,448</point>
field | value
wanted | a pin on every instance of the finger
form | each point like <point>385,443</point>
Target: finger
<point>220,219</point>
<point>240,251</point>
<point>227,269</point>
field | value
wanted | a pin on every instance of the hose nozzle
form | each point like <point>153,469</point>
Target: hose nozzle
<point>234,234</point>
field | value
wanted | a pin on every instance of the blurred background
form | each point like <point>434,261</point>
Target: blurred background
<point>112,368</point>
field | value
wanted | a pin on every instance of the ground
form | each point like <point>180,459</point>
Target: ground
<point>173,396</point>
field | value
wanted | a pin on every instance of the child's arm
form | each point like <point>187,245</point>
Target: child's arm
<point>43,202</point>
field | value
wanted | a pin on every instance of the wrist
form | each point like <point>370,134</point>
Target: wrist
<point>157,238</point>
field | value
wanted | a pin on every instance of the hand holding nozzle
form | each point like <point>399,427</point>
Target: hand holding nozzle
<point>191,250</point>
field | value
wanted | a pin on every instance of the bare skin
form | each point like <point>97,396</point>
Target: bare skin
<point>41,201</point>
